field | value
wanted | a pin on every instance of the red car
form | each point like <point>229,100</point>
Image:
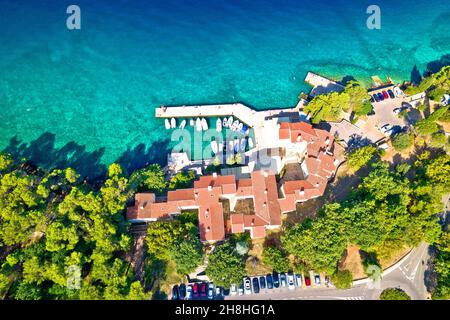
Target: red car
<point>195,293</point>
<point>203,290</point>
<point>385,94</point>
<point>307,281</point>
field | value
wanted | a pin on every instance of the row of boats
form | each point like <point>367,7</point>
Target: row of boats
<point>202,124</point>
<point>236,145</point>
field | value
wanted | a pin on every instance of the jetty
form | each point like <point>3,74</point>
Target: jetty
<point>322,85</point>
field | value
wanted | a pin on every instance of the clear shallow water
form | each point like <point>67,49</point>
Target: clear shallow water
<point>87,98</point>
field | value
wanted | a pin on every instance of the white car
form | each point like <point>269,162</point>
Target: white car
<point>290,281</point>
<point>188,292</point>
<point>233,289</point>
<point>247,286</point>
<point>240,291</point>
<point>397,110</point>
<point>385,128</point>
<point>398,92</point>
<point>298,280</point>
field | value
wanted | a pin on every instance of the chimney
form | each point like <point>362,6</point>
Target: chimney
<point>302,191</point>
<point>209,188</point>
<point>327,141</point>
<point>299,137</point>
<point>265,191</point>
<point>266,174</point>
<point>317,184</point>
<point>142,206</point>
<point>214,174</point>
<point>208,229</point>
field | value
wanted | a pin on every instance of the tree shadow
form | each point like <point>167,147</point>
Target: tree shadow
<point>356,141</point>
<point>436,65</point>
<point>43,153</point>
<point>347,79</point>
<point>416,77</point>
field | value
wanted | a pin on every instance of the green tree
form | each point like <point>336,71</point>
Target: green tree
<point>182,180</point>
<point>342,279</point>
<point>275,259</point>
<point>403,141</point>
<point>5,161</point>
<point>438,140</point>
<point>225,266</point>
<point>360,157</point>
<point>150,178</point>
<point>394,294</point>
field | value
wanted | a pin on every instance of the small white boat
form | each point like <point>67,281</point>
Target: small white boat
<point>214,146</point>
<point>247,131</point>
<point>198,124</point>
<point>219,125</point>
<point>240,126</point>
<point>204,124</point>
<point>192,122</point>
<point>167,122</point>
<point>173,123</point>
<point>221,147</point>
<point>236,144</point>
<point>225,122</point>
<point>235,125</point>
<point>230,122</point>
<point>250,142</point>
<point>243,144</point>
<point>183,124</point>
<point>230,145</point>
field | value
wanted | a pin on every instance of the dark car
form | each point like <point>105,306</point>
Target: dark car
<point>196,291</point>
<point>226,292</point>
<point>175,294</point>
<point>372,99</point>
<point>391,94</point>
<point>380,96</point>
<point>375,96</point>
<point>276,280</point>
<point>406,105</point>
<point>269,280</point>
<point>262,282</point>
<point>307,281</point>
<point>203,290</point>
<point>182,291</point>
<point>255,285</point>
<point>385,95</point>
<point>283,279</point>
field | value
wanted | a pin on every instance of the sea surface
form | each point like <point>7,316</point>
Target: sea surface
<point>86,97</point>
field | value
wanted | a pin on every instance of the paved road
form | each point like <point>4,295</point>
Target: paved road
<point>408,275</point>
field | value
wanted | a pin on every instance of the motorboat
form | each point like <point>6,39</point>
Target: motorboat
<point>192,122</point>
<point>173,123</point>
<point>230,122</point>
<point>225,122</point>
<point>182,124</point>
<point>167,123</point>
<point>214,146</point>
<point>243,144</point>
<point>204,124</point>
<point>198,124</point>
<point>235,125</point>
<point>240,126</point>
<point>236,144</point>
<point>219,125</point>
<point>250,142</point>
<point>230,145</point>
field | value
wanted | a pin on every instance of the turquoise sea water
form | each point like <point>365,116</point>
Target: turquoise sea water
<point>87,97</point>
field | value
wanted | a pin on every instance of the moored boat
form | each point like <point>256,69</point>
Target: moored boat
<point>250,142</point>
<point>214,146</point>
<point>225,122</point>
<point>243,144</point>
<point>182,124</point>
<point>236,144</point>
<point>198,124</point>
<point>230,122</point>
<point>173,123</point>
<point>167,123</point>
<point>235,125</point>
<point>239,127</point>
<point>192,122</point>
<point>204,124</point>
<point>219,125</point>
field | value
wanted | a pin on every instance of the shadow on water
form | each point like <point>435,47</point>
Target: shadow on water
<point>42,152</point>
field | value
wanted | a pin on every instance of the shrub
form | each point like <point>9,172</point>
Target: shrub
<point>342,279</point>
<point>403,141</point>
<point>438,140</point>
<point>360,157</point>
<point>394,294</point>
<point>275,258</point>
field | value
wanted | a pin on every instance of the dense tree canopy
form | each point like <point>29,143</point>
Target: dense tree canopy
<point>394,294</point>
<point>276,259</point>
<point>360,157</point>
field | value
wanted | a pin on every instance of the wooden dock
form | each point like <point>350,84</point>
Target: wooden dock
<point>321,84</point>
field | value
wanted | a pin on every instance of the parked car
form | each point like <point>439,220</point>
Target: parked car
<point>195,291</point>
<point>394,130</point>
<point>269,280</point>
<point>406,105</point>
<point>283,279</point>
<point>233,289</point>
<point>255,285</point>
<point>376,98</point>
<point>182,291</point>
<point>175,293</point>
<point>298,280</point>
<point>247,286</point>
<point>385,128</point>
<point>385,94</point>
<point>397,110</point>
<point>391,94</point>
<point>189,292</point>
<point>327,281</point>
<point>225,292</point>
<point>372,99</point>
<point>241,289</point>
<point>276,280</point>
<point>203,289</point>
<point>398,92</point>
<point>317,279</point>
<point>380,96</point>
<point>291,281</point>
<point>262,282</point>
<point>219,292</point>
<point>307,281</point>
<point>211,291</point>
